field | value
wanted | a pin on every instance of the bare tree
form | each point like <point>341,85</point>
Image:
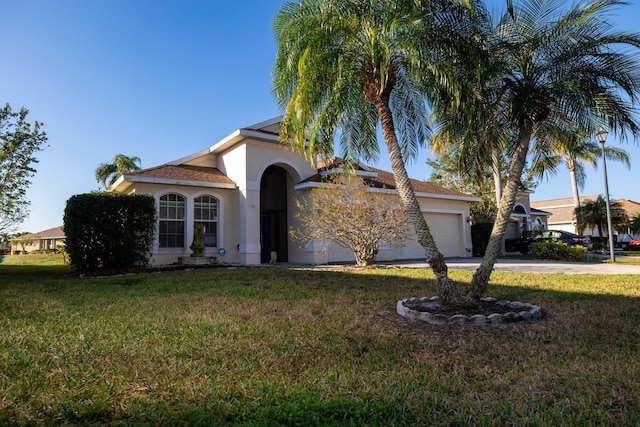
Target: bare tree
<point>354,215</point>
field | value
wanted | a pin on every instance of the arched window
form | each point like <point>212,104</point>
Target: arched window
<point>519,209</point>
<point>172,219</point>
<point>538,224</point>
<point>205,213</point>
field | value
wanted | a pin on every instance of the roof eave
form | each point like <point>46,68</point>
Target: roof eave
<point>311,185</point>
<point>184,182</point>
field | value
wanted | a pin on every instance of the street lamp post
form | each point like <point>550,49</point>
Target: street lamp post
<point>602,137</point>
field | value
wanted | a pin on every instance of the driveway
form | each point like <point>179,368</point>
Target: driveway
<point>535,266</point>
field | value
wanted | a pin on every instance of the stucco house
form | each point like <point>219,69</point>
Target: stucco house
<point>525,217</point>
<point>242,189</point>
<point>562,212</point>
<point>46,240</point>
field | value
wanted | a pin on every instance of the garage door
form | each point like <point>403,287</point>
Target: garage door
<point>447,232</point>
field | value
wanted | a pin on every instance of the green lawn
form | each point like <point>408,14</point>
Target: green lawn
<point>266,347</point>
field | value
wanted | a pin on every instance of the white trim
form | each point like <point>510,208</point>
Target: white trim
<point>277,162</point>
<point>309,185</point>
<point>184,182</point>
<point>156,235</point>
<point>188,158</point>
<point>266,123</point>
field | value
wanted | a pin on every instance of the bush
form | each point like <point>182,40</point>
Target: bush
<point>480,234</point>
<point>108,230</point>
<point>558,251</point>
<point>597,246</point>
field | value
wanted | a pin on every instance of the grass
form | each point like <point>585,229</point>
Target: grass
<point>32,259</point>
<point>292,347</point>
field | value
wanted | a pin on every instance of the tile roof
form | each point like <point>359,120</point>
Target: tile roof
<point>184,173</point>
<point>52,233</point>
<point>386,180</point>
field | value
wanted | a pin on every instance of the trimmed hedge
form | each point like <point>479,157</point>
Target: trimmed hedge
<point>558,251</point>
<point>480,234</point>
<point>109,230</point>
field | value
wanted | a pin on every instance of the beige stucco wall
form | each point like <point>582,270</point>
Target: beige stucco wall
<point>245,163</point>
<point>239,211</point>
<point>447,220</point>
<point>228,223</point>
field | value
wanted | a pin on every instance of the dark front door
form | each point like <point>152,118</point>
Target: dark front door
<point>273,214</point>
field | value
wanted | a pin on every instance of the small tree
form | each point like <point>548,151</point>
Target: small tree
<point>24,239</point>
<point>19,142</point>
<point>354,215</point>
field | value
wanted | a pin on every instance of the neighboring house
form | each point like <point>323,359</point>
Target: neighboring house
<point>242,191</point>
<point>563,217</point>
<point>47,240</point>
<point>525,217</point>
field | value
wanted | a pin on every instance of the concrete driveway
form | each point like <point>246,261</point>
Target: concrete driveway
<point>535,266</point>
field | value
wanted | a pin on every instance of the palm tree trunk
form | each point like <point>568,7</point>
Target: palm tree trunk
<point>482,275</point>
<point>574,181</point>
<point>497,182</point>
<point>446,288</point>
<point>571,166</point>
<point>497,179</point>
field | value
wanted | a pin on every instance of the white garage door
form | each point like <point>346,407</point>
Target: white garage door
<point>447,232</point>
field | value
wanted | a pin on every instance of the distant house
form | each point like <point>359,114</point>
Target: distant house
<point>241,192</point>
<point>562,212</point>
<point>525,217</point>
<point>47,240</point>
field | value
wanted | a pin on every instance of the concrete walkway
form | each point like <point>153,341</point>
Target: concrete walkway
<point>533,266</point>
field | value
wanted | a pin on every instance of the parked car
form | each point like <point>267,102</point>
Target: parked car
<point>522,244</point>
<point>634,245</point>
<point>623,240</point>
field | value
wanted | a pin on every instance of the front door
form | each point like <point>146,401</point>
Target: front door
<point>273,214</point>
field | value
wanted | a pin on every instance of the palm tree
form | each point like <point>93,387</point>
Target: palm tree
<point>550,68</point>
<point>593,214</point>
<point>347,66</point>
<point>574,149</point>
<point>108,173</point>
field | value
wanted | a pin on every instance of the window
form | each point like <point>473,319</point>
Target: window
<point>171,227</point>
<point>205,213</point>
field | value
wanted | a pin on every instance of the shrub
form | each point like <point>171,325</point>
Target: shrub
<point>597,246</point>
<point>558,251</point>
<point>109,230</point>
<point>480,233</point>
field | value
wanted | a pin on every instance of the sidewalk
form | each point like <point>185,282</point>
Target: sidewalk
<point>532,266</point>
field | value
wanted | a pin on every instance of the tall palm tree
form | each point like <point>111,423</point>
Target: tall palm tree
<point>593,214</point>
<point>552,67</point>
<point>345,66</point>
<point>108,173</point>
<point>573,148</point>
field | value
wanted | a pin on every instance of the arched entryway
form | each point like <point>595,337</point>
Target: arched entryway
<point>273,214</point>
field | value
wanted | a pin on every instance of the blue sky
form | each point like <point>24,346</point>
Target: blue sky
<point>160,80</point>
